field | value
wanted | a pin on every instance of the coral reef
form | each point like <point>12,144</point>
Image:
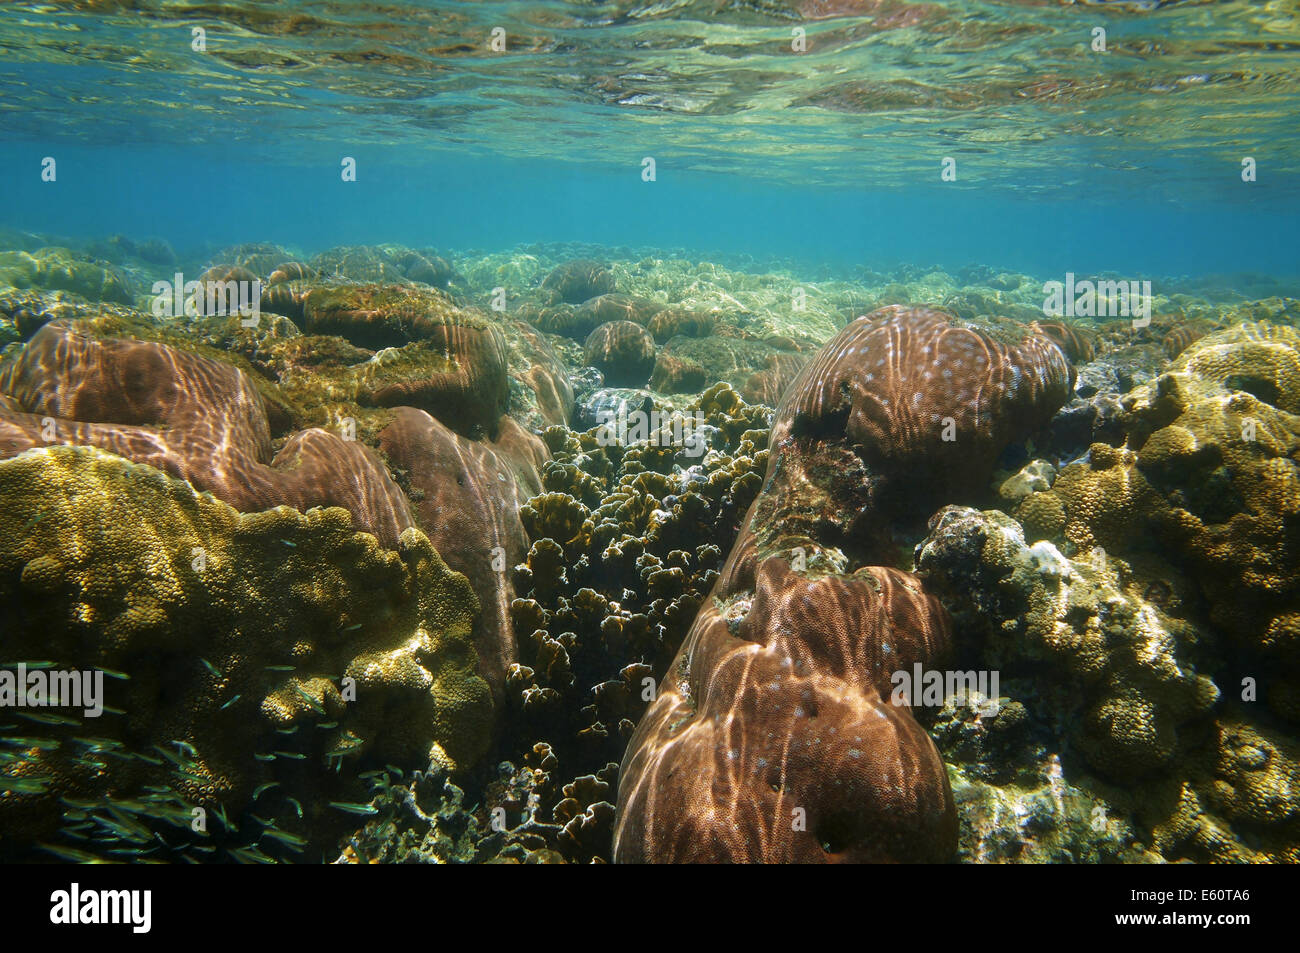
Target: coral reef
<point>736,360</point>
<point>1141,596</point>
<point>245,652</point>
<point>190,416</point>
<point>443,556</point>
<point>286,288</point>
<point>776,737</point>
<point>62,269</point>
<point>465,366</point>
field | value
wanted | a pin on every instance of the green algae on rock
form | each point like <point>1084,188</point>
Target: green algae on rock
<point>62,269</point>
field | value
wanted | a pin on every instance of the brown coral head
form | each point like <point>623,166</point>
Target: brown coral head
<point>917,393</point>
<point>1075,342</point>
<point>470,500</point>
<point>769,385</point>
<point>614,307</point>
<point>577,281</point>
<point>291,271</point>
<point>774,740</point>
<point>227,289</point>
<point>624,352</point>
<point>673,321</point>
<point>191,416</point>
<point>675,375</point>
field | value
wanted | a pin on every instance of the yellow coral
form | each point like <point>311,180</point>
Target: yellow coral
<point>1103,502</point>
<point>246,637</point>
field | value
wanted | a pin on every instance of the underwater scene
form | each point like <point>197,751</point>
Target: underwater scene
<point>650,431</point>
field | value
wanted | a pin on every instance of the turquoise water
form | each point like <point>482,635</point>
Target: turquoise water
<point>1066,157</point>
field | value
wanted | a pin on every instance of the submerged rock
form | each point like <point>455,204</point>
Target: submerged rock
<point>62,269</point>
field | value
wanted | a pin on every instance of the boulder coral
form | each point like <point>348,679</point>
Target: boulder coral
<point>611,307</point>
<point>774,739</point>
<point>671,322</point>
<point>541,394</point>
<point>259,257</point>
<point>925,402</point>
<point>577,281</point>
<point>465,366</point>
<point>192,417</point>
<point>623,351</point>
<point>286,288</point>
<point>673,375</point>
<point>377,316</point>
<point>384,263</point>
<point>769,385</point>
<point>469,495</point>
<point>774,736</point>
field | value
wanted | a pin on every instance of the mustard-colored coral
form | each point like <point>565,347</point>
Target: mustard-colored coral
<point>1218,437</point>
<point>1125,660</point>
<point>1101,502</point>
<point>255,641</point>
<point>1251,782</point>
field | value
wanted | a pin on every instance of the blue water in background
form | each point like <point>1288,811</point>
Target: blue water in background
<point>200,201</point>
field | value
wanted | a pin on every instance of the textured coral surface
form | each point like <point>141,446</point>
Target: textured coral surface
<point>775,736</point>
<point>574,554</point>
